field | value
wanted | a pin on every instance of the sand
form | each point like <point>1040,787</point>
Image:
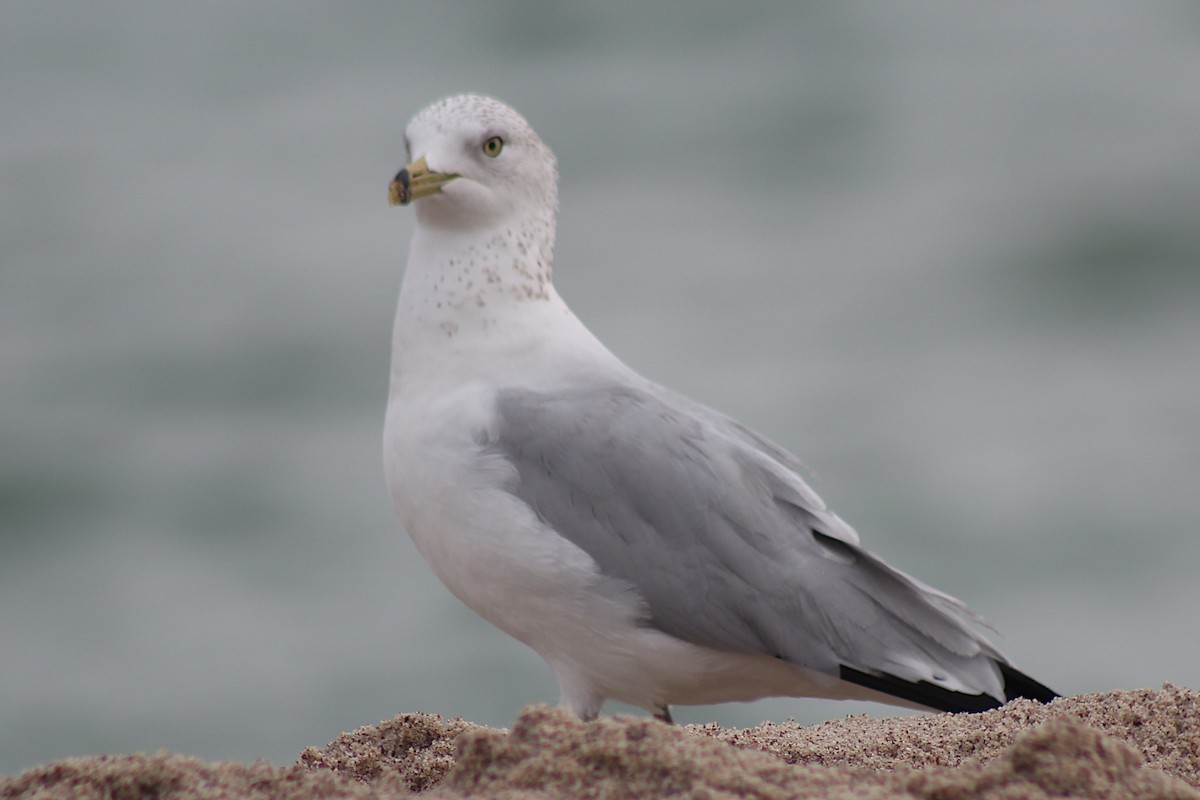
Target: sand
<point>1121,744</point>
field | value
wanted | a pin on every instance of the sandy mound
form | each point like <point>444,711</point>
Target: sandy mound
<point>1140,744</point>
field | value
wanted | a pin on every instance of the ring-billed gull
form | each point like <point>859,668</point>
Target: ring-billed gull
<point>651,550</point>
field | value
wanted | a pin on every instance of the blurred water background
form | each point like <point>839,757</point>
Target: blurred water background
<point>948,254</point>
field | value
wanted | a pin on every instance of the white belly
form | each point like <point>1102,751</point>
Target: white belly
<point>482,542</point>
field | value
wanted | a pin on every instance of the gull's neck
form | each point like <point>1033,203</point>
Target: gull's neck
<point>472,301</point>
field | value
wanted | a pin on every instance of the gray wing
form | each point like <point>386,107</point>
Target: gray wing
<point>727,545</point>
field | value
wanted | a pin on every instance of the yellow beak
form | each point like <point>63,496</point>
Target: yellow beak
<point>416,181</point>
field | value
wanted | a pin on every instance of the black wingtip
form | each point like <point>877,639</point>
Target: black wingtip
<point>1016,684</point>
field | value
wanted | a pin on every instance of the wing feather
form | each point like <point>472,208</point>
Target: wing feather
<point>724,541</point>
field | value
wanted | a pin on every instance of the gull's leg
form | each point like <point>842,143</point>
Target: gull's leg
<point>664,713</point>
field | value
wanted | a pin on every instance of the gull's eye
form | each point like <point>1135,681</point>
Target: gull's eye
<point>493,146</point>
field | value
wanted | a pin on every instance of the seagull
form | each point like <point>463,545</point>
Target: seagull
<point>651,550</point>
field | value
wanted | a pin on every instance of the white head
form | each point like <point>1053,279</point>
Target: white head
<point>475,163</point>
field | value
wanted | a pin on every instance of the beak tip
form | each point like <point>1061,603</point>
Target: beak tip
<point>397,193</point>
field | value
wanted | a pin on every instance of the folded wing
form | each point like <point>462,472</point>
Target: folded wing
<point>730,549</point>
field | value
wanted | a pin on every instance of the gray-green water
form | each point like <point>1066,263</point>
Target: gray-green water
<point>948,254</point>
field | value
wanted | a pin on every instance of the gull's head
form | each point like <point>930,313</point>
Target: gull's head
<point>474,163</point>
